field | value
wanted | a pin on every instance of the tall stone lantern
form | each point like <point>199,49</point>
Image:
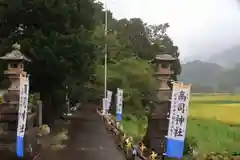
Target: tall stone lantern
<point>9,108</point>
<point>160,106</point>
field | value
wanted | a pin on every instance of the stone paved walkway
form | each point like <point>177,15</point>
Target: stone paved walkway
<point>89,139</point>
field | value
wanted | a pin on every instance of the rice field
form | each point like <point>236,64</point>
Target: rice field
<point>222,108</point>
<point>214,121</point>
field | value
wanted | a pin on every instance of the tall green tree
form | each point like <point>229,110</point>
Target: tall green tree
<point>133,34</point>
<point>56,36</point>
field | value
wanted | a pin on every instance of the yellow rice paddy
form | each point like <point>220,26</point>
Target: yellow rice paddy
<point>224,108</point>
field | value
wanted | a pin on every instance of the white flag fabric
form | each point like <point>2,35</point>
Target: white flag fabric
<point>178,120</point>
<point>22,114</point>
<point>179,111</point>
<point>104,103</point>
<point>109,99</point>
<point>119,104</point>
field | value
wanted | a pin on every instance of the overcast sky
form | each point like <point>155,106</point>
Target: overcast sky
<point>198,27</point>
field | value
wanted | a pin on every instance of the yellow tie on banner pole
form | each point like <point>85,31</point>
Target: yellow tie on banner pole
<point>153,156</point>
<point>142,148</point>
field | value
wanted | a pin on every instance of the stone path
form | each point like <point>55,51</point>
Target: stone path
<point>89,139</point>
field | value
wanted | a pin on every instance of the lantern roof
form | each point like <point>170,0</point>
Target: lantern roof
<point>165,57</point>
<point>15,54</point>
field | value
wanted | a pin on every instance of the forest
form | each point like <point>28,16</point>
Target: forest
<point>66,48</point>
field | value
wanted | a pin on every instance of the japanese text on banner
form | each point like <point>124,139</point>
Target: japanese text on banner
<point>179,111</point>
<point>109,99</point>
<point>119,101</point>
<point>23,106</point>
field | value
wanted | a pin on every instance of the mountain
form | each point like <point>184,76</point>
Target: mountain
<point>201,73</point>
<point>228,58</point>
<point>230,79</point>
<point>207,77</point>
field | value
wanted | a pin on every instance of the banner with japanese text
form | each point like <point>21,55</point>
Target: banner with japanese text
<point>104,105</point>
<point>119,104</point>
<point>109,100</point>
<point>22,114</point>
<point>178,120</point>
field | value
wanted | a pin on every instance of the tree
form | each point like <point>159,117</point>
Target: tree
<point>162,43</point>
<point>133,33</point>
<point>134,76</point>
<point>56,37</point>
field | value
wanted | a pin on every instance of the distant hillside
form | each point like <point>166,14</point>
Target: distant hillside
<point>211,77</point>
<point>230,79</point>
<point>201,73</point>
<point>228,58</point>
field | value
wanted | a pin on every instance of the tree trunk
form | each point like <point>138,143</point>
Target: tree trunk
<point>46,108</point>
<point>58,102</point>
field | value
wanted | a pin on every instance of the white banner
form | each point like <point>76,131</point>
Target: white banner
<point>109,99</point>
<point>22,114</point>
<point>104,103</point>
<point>179,111</point>
<point>119,101</point>
<point>23,106</point>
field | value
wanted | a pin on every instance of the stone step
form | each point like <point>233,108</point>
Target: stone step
<point>8,118</point>
<point>7,137</point>
<point>9,126</point>
<point>11,96</point>
<point>6,109</point>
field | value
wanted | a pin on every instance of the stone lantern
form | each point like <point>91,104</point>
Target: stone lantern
<point>163,73</point>
<point>15,67</point>
<point>160,106</point>
<point>9,108</point>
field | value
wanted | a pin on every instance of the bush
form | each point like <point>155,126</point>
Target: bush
<point>33,98</point>
<point>1,99</point>
<point>218,156</point>
<point>190,148</point>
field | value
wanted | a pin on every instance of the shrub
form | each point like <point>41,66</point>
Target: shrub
<point>1,99</point>
<point>218,156</point>
<point>190,148</point>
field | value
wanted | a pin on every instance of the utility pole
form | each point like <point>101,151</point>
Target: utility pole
<point>105,60</point>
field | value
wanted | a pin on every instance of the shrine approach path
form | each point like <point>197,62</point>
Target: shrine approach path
<point>88,139</point>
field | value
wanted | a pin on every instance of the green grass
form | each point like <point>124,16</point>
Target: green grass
<point>214,136</point>
<point>135,128</point>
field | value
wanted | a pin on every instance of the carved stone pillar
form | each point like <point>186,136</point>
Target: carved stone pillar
<point>160,106</point>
